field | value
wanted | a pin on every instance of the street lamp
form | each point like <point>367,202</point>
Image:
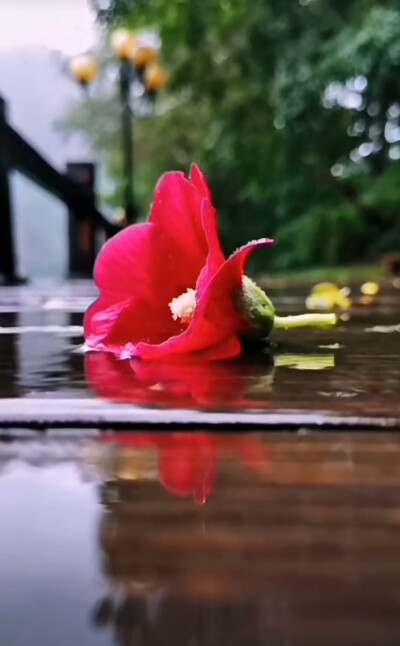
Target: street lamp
<point>84,69</point>
<point>123,42</point>
<point>137,64</point>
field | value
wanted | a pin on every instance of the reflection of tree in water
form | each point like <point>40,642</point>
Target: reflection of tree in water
<point>283,552</point>
<point>163,591</point>
<point>171,579</point>
<point>165,620</point>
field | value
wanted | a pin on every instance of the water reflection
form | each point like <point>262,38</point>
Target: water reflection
<point>185,463</point>
<point>156,542</point>
<point>240,384</point>
<point>105,541</point>
<point>154,617</point>
<point>282,553</point>
<point>343,372</point>
<point>37,352</point>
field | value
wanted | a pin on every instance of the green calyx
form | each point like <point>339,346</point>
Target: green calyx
<point>256,307</point>
<point>258,310</point>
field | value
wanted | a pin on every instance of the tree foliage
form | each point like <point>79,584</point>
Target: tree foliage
<point>292,108</point>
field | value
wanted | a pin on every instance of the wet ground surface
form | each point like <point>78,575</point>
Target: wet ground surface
<point>199,538</point>
<point>288,535</point>
<point>346,375</point>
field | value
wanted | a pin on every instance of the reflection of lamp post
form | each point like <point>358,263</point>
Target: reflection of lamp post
<point>137,64</point>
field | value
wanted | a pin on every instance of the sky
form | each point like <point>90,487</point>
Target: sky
<point>64,25</point>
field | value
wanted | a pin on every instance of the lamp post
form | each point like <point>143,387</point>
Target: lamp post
<point>127,125</point>
<point>137,64</point>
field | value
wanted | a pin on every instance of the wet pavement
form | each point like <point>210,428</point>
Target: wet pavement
<point>286,533</point>
<point>346,375</point>
<point>200,538</point>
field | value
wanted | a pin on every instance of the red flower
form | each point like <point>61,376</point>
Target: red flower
<point>221,385</point>
<point>165,286</point>
<point>187,462</point>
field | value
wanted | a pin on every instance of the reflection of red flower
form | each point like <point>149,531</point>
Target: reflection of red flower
<point>216,385</point>
<point>165,286</point>
<point>188,461</point>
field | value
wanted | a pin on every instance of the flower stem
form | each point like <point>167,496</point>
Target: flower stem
<point>304,320</point>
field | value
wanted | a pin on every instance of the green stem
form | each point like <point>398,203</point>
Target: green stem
<point>304,320</point>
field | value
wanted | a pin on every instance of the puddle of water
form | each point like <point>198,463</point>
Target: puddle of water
<point>342,371</point>
<point>200,539</point>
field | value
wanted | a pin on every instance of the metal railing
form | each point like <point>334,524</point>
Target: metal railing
<point>75,189</point>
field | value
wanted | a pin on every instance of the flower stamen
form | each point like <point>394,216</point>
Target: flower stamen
<point>182,307</point>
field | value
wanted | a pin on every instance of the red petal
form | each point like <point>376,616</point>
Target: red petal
<point>215,256</point>
<point>188,464</point>
<point>216,321</point>
<point>175,384</point>
<point>144,267</point>
<point>198,179</point>
<point>188,461</point>
<point>100,318</point>
<point>138,272</point>
<point>177,209</point>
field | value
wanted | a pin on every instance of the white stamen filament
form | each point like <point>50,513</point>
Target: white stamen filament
<point>183,306</point>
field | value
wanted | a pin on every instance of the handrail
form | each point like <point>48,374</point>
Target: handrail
<point>17,154</point>
<point>27,161</point>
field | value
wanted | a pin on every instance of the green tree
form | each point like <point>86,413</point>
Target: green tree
<point>292,108</point>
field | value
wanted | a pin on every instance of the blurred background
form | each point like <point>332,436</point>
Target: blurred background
<point>291,108</point>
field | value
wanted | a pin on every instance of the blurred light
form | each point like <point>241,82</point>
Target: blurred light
<point>355,156</point>
<point>365,149</point>
<point>142,56</point>
<point>392,132</point>
<point>337,93</point>
<point>373,109</point>
<point>376,145</point>
<point>155,78</point>
<point>360,83</point>
<point>337,170</point>
<point>375,130</point>
<point>150,39</point>
<point>394,152</point>
<point>357,84</point>
<point>332,92</point>
<point>394,111</point>
<point>137,90</point>
<point>352,101</point>
<point>356,129</point>
<point>119,215</point>
<point>327,102</point>
<point>123,43</point>
<point>84,68</point>
<point>370,288</point>
<point>279,122</point>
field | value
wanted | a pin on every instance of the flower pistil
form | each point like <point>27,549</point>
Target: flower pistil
<point>182,307</point>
